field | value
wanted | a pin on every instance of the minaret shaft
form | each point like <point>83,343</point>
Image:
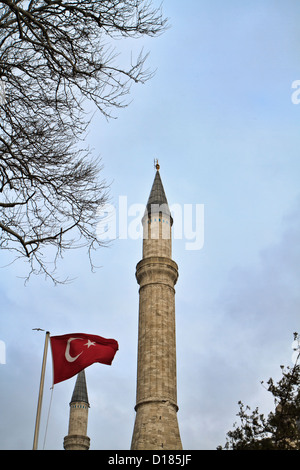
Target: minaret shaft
<point>156,425</point>
<point>156,359</point>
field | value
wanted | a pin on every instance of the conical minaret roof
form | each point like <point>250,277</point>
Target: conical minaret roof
<point>80,389</point>
<point>158,195</point>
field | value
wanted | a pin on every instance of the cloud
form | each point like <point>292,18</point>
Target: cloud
<point>242,339</point>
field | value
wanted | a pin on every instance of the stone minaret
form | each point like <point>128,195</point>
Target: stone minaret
<point>156,425</point>
<point>79,408</point>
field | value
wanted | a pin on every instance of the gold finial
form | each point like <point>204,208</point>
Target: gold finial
<point>156,165</point>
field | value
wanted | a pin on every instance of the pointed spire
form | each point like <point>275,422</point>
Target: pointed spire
<point>80,389</point>
<point>157,194</point>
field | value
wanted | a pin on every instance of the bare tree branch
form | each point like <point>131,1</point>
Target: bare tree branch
<point>55,56</point>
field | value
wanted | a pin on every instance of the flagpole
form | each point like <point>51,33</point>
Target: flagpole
<point>40,399</point>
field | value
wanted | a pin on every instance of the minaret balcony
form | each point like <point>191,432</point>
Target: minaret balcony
<point>158,270</point>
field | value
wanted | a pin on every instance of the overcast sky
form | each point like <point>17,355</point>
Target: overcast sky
<point>219,116</point>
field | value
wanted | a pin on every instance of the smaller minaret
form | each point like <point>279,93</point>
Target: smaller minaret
<point>79,408</point>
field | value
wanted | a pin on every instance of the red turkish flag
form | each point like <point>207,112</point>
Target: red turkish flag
<point>74,352</point>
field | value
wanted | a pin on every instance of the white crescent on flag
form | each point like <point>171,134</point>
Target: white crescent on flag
<point>67,351</point>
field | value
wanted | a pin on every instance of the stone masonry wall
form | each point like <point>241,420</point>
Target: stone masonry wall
<point>156,425</point>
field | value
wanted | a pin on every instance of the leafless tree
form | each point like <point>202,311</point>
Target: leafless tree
<point>55,56</point>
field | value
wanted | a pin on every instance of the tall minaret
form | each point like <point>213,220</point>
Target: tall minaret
<point>156,425</point>
<point>79,408</point>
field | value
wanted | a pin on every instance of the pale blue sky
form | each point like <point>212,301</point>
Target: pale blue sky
<point>219,117</point>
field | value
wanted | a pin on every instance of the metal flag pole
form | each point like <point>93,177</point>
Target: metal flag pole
<point>40,399</point>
